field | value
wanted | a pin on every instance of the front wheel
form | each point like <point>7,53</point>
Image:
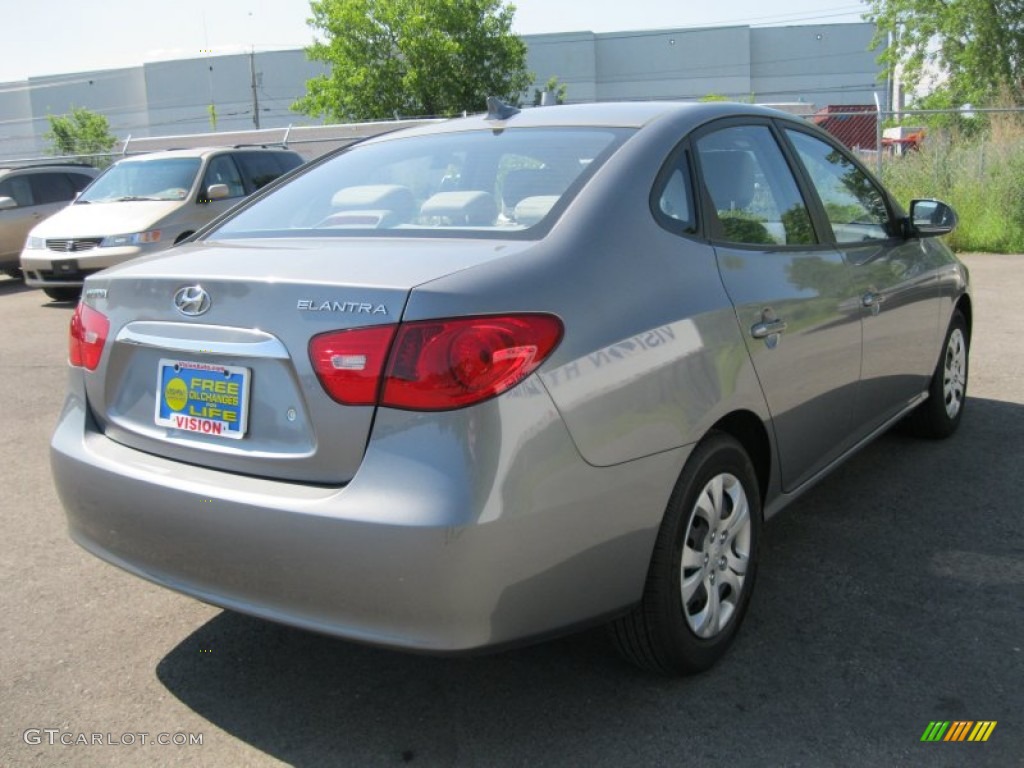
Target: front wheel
<point>63,294</point>
<point>940,414</point>
<point>703,567</point>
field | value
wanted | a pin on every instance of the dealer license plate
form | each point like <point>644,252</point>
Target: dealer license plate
<point>203,398</point>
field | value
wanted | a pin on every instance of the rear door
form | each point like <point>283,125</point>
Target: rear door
<point>795,297</point>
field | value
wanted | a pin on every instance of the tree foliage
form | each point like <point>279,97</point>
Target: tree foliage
<point>80,132</point>
<point>977,44</point>
<point>412,57</point>
<point>553,85</point>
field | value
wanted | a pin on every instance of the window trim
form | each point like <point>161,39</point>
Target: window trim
<point>671,224</point>
<point>710,224</point>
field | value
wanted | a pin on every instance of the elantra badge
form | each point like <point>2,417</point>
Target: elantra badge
<point>192,300</point>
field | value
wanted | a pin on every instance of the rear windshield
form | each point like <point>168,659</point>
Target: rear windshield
<point>509,183</point>
<point>169,179</point>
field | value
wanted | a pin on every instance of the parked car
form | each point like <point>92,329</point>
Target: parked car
<point>141,205</point>
<point>504,376</point>
<point>28,194</point>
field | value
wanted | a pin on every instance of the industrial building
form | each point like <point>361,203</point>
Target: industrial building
<point>812,65</point>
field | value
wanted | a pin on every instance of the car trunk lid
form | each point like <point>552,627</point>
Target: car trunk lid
<point>207,358</point>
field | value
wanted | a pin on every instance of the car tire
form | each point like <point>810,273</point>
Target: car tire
<point>703,567</point>
<point>939,415</point>
<point>13,272</point>
<point>63,294</point>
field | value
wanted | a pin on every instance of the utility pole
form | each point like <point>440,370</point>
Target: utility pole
<point>255,95</point>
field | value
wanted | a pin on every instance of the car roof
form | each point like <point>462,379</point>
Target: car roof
<point>50,166</point>
<point>631,114</point>
<point>201,152</point>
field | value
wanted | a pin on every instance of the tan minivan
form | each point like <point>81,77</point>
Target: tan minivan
<point>29,194</point>
<point>141,205</point>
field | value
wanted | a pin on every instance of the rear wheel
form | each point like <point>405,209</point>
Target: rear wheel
<point>940,414</point>
<point>703,567</point>
<point>63,294</point>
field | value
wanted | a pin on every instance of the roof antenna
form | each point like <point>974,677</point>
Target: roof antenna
<point>498,110</point>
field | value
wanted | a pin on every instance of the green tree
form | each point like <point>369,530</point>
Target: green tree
<point>412,57</point>
<point>977,44</point>
<point>80,132</point>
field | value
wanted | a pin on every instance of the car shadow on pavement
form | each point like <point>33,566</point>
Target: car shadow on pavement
<point>10,286</point>
<point>888,596</point>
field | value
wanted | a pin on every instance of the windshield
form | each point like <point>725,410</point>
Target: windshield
<point>168,179</point>
<point>509,183</point>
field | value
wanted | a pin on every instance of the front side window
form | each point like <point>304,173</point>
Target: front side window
<point>222,170</point>
<point>51,188</point>
<point>469,184</point>
<point>854,206</point>
<point>164,179</point>
<point>752,190</point>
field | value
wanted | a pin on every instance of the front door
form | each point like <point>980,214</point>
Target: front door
<point>896,280</point>
<point>796,299</point>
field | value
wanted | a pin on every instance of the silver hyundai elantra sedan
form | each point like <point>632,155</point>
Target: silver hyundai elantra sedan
<point>499,377</point>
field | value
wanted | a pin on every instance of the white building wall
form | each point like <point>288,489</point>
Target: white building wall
<point>673,64</point>
<point>819,64</point>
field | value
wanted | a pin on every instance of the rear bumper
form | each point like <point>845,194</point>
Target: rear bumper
<point>433,546</point>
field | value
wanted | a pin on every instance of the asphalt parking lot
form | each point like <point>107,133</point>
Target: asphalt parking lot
<point>890,596</point>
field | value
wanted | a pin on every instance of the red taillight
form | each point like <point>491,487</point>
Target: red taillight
<point>433,365</point>
<point>89,329</point>
<point>443,364</point>
<point>349,363</point>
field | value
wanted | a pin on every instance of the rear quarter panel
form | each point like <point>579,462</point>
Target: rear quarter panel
<point>652,355</point>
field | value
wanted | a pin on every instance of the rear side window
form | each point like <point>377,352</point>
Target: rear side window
<point>18,189</point>
<point>754,196</point>
<point>51,188</point>
<point>672,198</point>
<point>79,181</point>
<point>260,168</point>
<point>474,184</point>
<point>287,161</point>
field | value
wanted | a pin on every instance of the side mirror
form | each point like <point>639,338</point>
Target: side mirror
<point>931,218</point>
<point>217,192</point>
<point>6,203</point>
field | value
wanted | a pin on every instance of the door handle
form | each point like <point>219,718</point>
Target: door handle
<point>871,299</point>
<point>767,328</point>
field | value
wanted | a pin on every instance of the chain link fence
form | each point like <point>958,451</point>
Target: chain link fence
<point>878,135</point>
<point>308,141</point>
<point>874,134</point>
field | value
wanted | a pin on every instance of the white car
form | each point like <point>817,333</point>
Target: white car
<point>141,205</point>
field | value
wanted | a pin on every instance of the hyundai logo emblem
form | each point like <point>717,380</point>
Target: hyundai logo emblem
<point>192,300</point>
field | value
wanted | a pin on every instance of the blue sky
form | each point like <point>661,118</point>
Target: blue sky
<point>47,37</point>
